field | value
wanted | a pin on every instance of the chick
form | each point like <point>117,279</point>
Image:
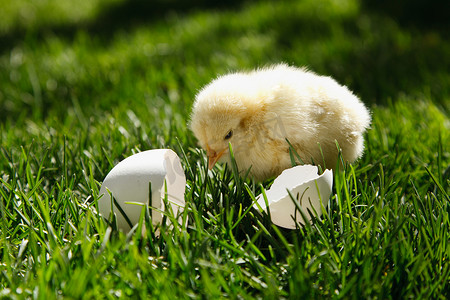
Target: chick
<point>258,112</point>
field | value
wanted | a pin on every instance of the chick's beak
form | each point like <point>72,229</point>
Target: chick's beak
<point>213,156</point>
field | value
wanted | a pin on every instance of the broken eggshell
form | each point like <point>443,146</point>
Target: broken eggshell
<point>301,182</point>
<point>129,183</point>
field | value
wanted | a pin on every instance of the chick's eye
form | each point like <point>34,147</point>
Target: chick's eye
<point>229,135</point>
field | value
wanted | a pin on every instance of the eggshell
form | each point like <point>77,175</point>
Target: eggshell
<point>305,185</point>
<point>129,180</point>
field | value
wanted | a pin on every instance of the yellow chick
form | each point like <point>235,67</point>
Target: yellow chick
<point>259,111</point>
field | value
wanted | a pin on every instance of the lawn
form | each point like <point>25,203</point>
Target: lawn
<point>85,84</point>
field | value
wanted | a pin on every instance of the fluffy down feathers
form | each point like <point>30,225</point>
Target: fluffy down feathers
<point>258,111</point>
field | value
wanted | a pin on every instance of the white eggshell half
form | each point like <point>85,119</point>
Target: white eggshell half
<point>305,185</point>
<point>129,181</point>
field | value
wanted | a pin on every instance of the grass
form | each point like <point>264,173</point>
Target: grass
<point>81,89</point>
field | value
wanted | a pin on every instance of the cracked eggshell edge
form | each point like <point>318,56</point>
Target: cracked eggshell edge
<point>304,184</point>
<point>128,182</point>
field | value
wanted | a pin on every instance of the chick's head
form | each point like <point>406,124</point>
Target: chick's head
<point>218,116</point>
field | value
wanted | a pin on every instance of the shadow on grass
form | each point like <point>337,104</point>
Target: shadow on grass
<point>124,15</point>
<point>419,14</point>
<point>397,53</point>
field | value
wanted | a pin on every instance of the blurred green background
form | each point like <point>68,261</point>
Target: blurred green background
<point>59,57</point>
